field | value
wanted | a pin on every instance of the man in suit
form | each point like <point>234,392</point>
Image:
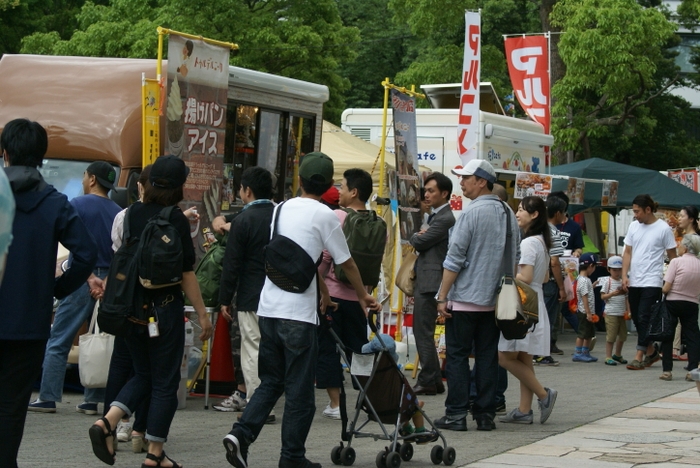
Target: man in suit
<point>431,243</point>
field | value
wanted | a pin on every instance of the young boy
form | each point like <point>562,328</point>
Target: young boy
<point>616,304</point>
<point>586,309</point>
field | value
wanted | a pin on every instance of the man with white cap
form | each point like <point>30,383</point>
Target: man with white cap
<point>475,262</point>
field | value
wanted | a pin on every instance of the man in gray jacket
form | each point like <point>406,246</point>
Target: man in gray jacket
<point>472,272</point>
<point>431,244</point>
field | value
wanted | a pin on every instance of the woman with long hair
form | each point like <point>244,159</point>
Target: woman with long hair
<point>516,355</point>
<point>156,359</point>
<point>688,221</point>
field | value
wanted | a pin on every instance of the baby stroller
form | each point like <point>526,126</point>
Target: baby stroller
<point>387,399</point>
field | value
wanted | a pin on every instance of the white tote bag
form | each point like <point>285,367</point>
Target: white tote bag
<point>95,354</point>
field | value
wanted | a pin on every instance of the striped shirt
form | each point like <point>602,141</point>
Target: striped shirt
<point>557,250</point>
<point>684,275</point>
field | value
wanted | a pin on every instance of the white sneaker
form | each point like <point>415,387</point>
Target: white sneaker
<point>331,413</point>
<point>233,403</point>
<point>124,431</point>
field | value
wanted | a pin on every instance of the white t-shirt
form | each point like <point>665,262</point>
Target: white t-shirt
<point>649,242</point>
<point>314,227</point>
<point>616,305</point>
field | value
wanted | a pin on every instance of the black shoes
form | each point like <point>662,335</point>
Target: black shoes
<point>484,423</point>
<point>439,387</point>
<point>450,424</point>
<point>236,450</point>
<point>431,390</point>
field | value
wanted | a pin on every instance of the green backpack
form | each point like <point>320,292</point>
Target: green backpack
<point>365,233</point>
<point>208,272</point>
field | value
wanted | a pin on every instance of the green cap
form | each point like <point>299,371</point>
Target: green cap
<point>317,167</point>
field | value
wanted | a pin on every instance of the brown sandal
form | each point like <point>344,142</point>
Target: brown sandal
<point>99,441</point>
<point>160,459</point>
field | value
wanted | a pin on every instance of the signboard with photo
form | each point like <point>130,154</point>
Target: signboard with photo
<point>687,177</point>
<point>576,190</point>
<point>528,184</point>
<point>609,196</point>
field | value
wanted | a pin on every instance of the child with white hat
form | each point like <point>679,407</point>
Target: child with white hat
<point>616,306</point>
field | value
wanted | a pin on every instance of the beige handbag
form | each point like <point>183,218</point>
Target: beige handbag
<point>406,275</point>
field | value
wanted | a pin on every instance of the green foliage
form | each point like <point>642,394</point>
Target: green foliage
<point>613,50</point>
<point>303,40</point>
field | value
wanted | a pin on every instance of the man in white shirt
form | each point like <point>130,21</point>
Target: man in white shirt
<point>288,321</point>
<point>648,238</point>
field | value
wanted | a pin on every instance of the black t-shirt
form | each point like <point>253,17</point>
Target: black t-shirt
<point>139,215</point>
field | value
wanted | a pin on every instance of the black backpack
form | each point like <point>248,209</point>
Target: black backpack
<point>123,306</point>
<point>159,256</point>
<point>366,235</point>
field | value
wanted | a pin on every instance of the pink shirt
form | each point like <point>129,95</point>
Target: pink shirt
<point>684,275</point>
<point>336,288</point>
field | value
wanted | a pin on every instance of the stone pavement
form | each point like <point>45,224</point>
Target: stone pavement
<point>664,434</point>
<point>593,399</point>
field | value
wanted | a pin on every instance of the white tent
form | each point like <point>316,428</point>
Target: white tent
<point>349,151</point>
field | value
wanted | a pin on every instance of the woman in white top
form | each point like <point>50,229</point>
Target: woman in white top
<point>516,355</point>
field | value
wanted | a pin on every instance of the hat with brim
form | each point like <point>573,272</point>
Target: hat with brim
<point>479,168</point>
<point>104,173</point>
<point>168,172</point>
<point>317,167</point>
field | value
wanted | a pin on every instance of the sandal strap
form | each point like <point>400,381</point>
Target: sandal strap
<point>108,426</point>
<point>155,458</point>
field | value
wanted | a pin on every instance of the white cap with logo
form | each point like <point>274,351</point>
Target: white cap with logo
<point>477,167</point>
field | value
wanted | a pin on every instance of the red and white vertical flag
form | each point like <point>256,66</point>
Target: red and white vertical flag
<point>528,66</point>
<point>469,99</point>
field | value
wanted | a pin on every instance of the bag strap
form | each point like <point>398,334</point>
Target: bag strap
<point>94,327</point>
<point>166,212</point>
<point>126,232</point>
<point>508,249</point>
<point>276,216</point>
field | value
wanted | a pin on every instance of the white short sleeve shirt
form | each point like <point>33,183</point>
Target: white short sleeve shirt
<point>314,227</point>
<point>649,242</point>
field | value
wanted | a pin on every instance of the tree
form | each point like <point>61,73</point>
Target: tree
<point>303,40</point>
<point>615,66</point>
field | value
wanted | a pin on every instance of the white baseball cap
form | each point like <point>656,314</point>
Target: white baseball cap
<point>477,167</point>
<point>615,262</point>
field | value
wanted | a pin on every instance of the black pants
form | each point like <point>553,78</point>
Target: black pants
<point>641,300</point>
<point>687,313</point>
<point>20,366</point>
<point>461,330</point>
<point>424,315</point>
<point>350,324</point>
<point>121,369</point>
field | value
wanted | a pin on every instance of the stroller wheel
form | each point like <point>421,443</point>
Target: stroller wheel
<point>347,456</point>
<point>406,451</point>
<point>335,454</point>
<point>393,460</point>
<point>448,457</point>
<point>436,455</point>
<point>381,459</point>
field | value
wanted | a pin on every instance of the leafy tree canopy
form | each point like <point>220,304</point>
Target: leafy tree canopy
<point>303,40</point>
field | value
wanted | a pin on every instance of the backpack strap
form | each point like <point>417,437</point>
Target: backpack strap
<point>126,232</point>
<point>166,212</point>
<point>508,249</point>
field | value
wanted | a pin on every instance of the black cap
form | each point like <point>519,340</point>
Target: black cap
<point>104,173</point>
<point>168,172</point>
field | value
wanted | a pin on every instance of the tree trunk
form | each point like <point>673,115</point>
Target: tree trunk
<point>557,67</point>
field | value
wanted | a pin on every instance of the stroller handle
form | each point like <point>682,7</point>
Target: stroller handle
<point>372,320</point>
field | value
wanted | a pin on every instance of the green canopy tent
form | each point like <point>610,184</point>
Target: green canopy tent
<point>632,180</point>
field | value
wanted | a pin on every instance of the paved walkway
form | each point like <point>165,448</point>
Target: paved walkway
<point>664,434</point>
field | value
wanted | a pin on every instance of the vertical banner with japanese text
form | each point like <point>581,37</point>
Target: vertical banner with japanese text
<point>197,96</point>
<point>407,170</point>
<point>150,99</point>
<point>467,127</point>
<point>528,66</point>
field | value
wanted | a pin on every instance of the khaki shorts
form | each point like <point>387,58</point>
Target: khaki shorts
<point>616,328</point>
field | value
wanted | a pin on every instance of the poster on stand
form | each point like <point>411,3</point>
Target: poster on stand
<point>469,100</point>
<point>575,190</point>
<point>609,195</point>
<point>408,177</point>
<point>197,96</point>
<point>528,184</point>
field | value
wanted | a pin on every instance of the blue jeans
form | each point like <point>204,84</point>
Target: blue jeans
<point>72,312</point>
<point>461,330</point>
<point>287,364</point>
<point>121,369</point>
<point>157,368</point>
<point>569,316</point>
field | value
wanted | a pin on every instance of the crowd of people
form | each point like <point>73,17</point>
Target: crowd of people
<point>279,346</point>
